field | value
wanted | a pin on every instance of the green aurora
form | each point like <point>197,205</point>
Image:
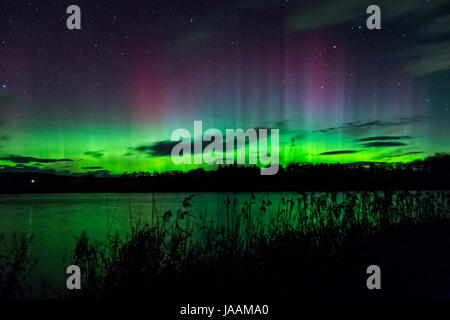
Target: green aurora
<point>105,99</point>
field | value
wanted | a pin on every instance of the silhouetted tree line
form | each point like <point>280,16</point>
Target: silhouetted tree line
<point>440,162</point>
<point>430,173</point>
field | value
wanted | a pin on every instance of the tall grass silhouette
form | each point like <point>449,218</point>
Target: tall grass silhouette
<point>16,265</point>
<point>307,245</point>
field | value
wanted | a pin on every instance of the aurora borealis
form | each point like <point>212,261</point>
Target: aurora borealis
<point>106,98</point>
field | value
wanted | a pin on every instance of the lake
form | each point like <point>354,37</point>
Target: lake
<point>55,219</point>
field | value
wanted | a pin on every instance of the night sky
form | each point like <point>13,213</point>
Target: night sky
<point>106,98</point>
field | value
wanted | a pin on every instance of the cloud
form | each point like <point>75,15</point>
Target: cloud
<point>430,58</point>
<point>383,138</point>
<point>324,13</point>
<point>406,154</point>
<point>94,154</point>
<point>439,25</point>
<point>21,159</point>
<point>384,144</point>
<point>397,153</point>
<point>5,138</point>
<point>359,127</point>
<point>427,54</point>
<point>330,153</point>
<point>158,149</point>
<point>128,154</point>
<point>24,168</point>
<point>36,169</point>
<point>207,26</point>
<point>164,148</point>
<point>91,168</point>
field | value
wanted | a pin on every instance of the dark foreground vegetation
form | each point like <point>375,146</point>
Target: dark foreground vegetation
<point>16,264</point>
<point>431,173</point>
<point>309,246</point>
